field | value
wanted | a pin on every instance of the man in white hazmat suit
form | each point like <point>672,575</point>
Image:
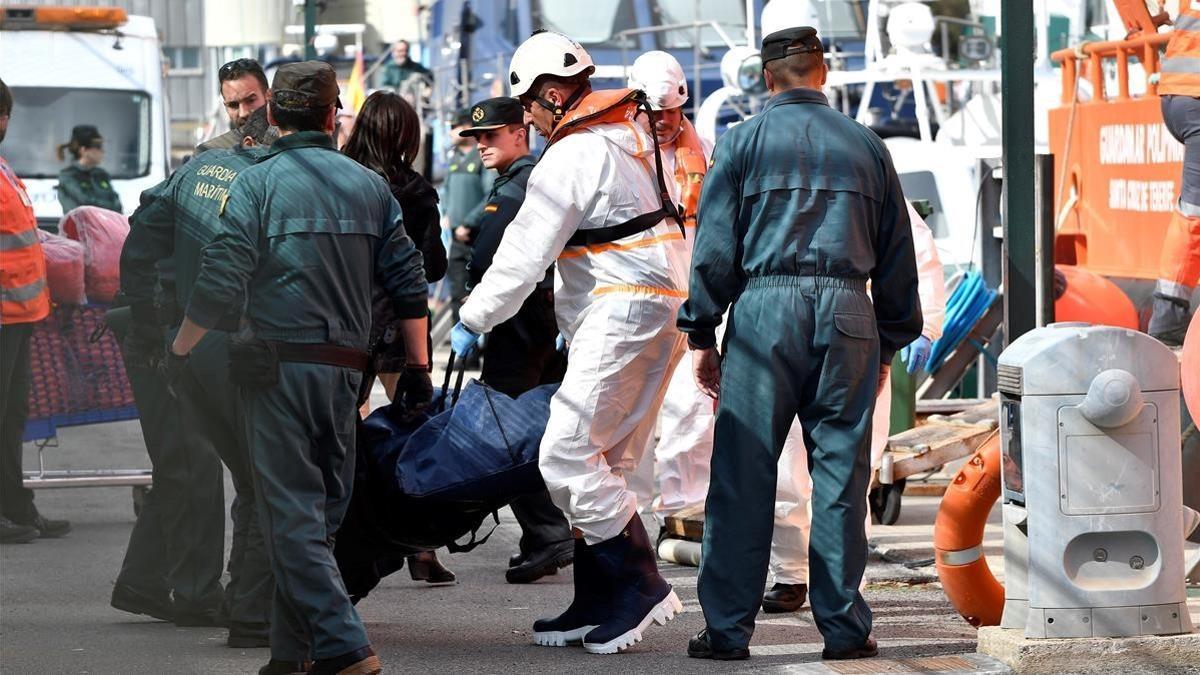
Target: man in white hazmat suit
<point>681,455</point>
<point>597,204</point>
<point>789,545</point>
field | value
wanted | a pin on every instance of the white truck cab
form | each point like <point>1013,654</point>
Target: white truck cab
<point>83,65</point>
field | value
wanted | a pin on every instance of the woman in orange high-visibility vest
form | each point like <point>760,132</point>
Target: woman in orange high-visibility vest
<point>1179,267</point>
<point>24,300</point>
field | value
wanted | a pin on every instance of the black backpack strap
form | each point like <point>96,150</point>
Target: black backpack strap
<point>455,547</point>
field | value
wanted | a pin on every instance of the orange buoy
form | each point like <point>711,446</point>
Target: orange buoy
<point>1190,367</point>
<point>958,538</point>
<point>1093,299</point>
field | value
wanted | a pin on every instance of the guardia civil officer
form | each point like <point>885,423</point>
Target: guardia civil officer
<point>520,352</point>
<point>84,182</point>
<point>306,233</point>
<point>467,185</point>
<point>800,209</point>
<point>175,220</point>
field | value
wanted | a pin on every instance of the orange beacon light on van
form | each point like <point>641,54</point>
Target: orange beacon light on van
<point>61,18</point>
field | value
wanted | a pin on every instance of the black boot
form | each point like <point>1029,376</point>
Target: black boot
<point>784,598</point>
<point>137,601</point>
<point>866,650</point>
<point>588,609</point>
<point>14,533</point>
<point>700,648</point>
<point>540,563</point>
<point>47,528</point>
<point>638,594</point>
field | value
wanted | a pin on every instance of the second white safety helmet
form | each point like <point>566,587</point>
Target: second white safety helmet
<point>546,53</point>
<point>659,75</point>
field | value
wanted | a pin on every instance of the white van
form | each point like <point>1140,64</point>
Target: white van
<point>93,65</point>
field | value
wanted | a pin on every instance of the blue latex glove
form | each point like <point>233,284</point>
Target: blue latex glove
<point>560,343</point>
<point>463,340</point>
<point>916,354</point>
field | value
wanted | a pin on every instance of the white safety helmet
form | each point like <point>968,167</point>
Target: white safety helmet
<point>659,75</point>
<point>546,53</point>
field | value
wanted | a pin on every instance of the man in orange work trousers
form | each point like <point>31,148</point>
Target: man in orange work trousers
<point>1179,267</point>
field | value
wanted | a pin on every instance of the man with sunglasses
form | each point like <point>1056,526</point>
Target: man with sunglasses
<point>243,89</point>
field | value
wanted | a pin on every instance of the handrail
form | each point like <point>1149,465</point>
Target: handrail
<point>1146,48</point>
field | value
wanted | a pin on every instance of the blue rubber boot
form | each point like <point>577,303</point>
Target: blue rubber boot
<point>638,594</point>
<point>588,609</point>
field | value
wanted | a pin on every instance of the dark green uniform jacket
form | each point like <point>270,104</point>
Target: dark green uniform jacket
<point>820,212</point>
<point>301,232</point>
<point>176,219</point>
<point>505,199</point>
<point>78,186</point>
<point>467,186</point>
<point>394,74</point>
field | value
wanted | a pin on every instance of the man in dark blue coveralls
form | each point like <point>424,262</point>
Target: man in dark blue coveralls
<point>307,233</point>
<point>800,209</point>
<point>172,224</point>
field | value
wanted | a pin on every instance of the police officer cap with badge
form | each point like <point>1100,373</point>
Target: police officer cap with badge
<point>494,113</point>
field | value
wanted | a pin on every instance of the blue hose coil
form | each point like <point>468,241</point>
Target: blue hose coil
<point>967,305</point>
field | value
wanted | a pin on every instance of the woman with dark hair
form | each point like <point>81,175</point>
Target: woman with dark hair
<point>386,139</point>
<point>84,183</point>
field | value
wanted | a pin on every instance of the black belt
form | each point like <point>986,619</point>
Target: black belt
<point>324,354</point>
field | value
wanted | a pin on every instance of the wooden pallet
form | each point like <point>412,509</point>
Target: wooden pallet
<point>942,439</point>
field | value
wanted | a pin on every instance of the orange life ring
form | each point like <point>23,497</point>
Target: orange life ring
<point>958,538</point>
<point>1190,367</point>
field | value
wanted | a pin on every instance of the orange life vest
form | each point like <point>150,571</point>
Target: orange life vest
<point>1180,70</point>
<point>606,106</point>
<point>24,297</point>
<point>690,167</point>
<point>612,106</point>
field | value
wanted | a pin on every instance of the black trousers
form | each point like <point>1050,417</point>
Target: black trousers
<point>178,542</point>
<point>17,500</point>
<point>456,273</point>
<point>521,355</point>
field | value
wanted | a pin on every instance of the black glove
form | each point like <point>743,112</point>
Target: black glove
<point>172,367</point>
<point>414,392</point>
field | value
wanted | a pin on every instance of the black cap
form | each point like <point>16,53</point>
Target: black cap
<point>307,84</point>
<point>777,45</point>
<point>85,135</point>
<point>493,114</point>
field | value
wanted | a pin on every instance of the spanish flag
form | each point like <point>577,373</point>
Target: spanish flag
<point>356,88</point>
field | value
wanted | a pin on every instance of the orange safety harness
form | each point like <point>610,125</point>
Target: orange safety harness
<point>690,168</point>
<point>616,106</point>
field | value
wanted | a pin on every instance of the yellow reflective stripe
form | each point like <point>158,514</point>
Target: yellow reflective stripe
<point>632,288</point>
<point>577,252</point>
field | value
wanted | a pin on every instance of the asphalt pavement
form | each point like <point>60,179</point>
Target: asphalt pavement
<point>55,616</point>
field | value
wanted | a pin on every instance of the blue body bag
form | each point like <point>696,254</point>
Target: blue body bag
<point>423,484</point>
